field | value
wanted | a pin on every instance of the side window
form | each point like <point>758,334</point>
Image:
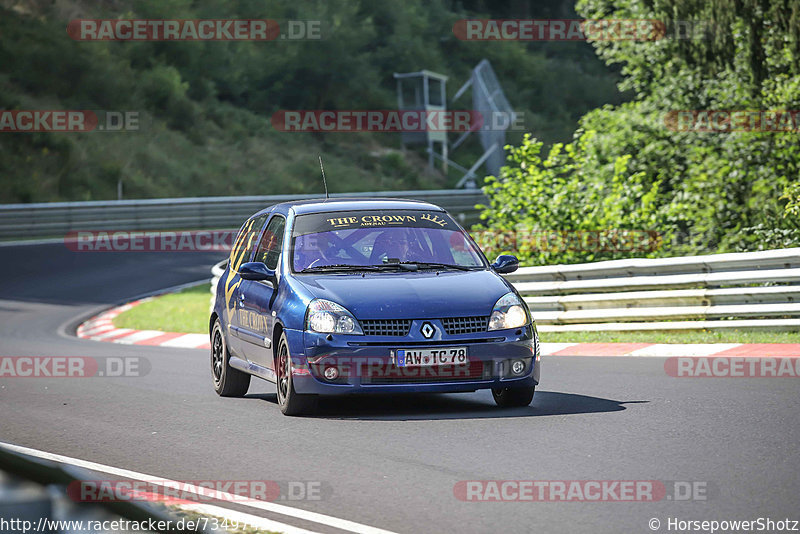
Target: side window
<point>246,241</point>
<point>269,250</point>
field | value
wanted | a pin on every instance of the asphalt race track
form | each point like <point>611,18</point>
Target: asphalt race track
<point>390,463</point>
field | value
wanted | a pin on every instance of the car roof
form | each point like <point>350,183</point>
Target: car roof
<point>324,205</point>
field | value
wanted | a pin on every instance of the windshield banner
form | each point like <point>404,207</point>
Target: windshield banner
<point>350,220</point>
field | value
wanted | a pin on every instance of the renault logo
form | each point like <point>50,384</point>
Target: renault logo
<point>427,330</point>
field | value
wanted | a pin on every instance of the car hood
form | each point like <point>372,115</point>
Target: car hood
<point>410,295</point>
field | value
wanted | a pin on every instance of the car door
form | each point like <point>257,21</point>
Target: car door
<point>242,250</point>
<point>257,298</point>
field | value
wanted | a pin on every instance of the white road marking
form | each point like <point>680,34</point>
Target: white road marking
<point>34,242</point>
<point>314,517</point>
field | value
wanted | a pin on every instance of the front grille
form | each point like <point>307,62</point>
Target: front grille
<point>385,327</point>
<point>476,370</point>
<point>465,325</point>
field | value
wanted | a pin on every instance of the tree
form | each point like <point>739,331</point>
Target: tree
<point>717,191</point>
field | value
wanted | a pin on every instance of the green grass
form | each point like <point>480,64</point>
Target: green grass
<point>668,336</point>
<point>184,311</point>
<point>187,311</point>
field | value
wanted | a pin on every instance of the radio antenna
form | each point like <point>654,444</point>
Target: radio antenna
<point>324,182</point>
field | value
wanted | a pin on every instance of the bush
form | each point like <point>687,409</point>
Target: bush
<point>568,207</point>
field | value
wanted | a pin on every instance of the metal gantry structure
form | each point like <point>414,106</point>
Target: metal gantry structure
<point>426,91</point>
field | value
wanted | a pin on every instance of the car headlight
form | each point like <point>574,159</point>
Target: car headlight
<point>327,317</point>
<point>508,312</point>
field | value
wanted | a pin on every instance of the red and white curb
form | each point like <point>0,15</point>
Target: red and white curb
<point>101,328</point>
<point>667,350</point>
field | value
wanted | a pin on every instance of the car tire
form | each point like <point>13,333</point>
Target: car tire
<point>228,382</point>
<point>289,401</point>
<point>513,397</point>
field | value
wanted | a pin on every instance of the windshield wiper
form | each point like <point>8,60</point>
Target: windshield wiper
<point>340,267</point>
<point>395,266</point>
<point>434,265</point>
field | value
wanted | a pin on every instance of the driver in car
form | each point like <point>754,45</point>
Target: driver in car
<point>398,245</point>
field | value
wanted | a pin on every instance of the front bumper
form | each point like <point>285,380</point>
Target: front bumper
<point>365,364</point>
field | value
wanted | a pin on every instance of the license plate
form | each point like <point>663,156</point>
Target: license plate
<point>428,357</point>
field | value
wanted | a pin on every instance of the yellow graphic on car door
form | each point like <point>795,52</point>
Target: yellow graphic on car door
<point>237,255</point>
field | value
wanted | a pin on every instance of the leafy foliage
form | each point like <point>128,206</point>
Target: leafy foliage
<point>206,105</point>
<point>716,191</point>
<point>567,207</point>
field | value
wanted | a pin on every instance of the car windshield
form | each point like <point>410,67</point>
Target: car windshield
<point>353,239</point>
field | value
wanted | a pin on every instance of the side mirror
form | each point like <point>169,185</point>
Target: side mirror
<point>256,270</point>
<point>505,263</point>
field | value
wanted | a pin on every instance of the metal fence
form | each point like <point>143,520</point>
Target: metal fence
<point>739,290</point>
<point>54,219</point>
<point>749,290</point>
<point>41,494</point>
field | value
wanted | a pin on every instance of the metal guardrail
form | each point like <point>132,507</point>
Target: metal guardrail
<point>41,492</point>
<point>737,290</point>
<point>54,219</point>
<point>216,272</point>
<point>746,290</point>
<point>735,261</point>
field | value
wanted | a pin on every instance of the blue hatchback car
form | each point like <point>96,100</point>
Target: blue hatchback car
<point>348,296</point>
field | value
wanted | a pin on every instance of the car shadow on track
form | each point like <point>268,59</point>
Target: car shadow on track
<point>453,406</point>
